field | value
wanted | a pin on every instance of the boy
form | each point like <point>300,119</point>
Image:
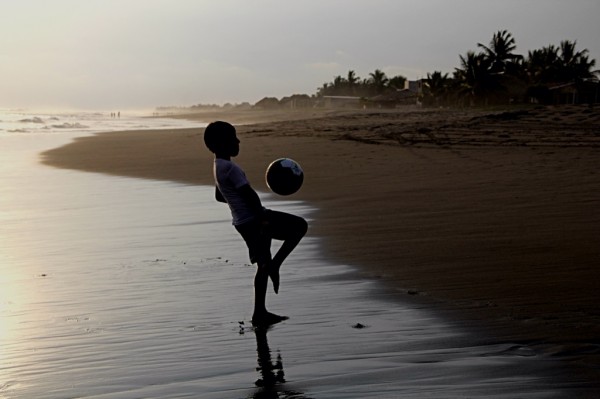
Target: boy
<point>256,224</point>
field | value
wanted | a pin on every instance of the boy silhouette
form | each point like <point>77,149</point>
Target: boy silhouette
<point>256,224</point>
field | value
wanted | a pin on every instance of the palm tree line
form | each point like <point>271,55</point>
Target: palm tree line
<point>352,85</point>
<point>495,74</point>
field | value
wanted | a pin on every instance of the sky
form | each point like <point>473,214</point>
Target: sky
<point>140,54</point>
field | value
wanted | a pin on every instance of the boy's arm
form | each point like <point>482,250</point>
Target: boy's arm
<point>247,193</point>
<point>219,196</point>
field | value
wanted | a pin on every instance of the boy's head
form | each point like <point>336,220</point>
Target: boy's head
<point>220,138</point>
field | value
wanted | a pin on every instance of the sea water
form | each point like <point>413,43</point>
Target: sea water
<point>128,288</point>
<point>23,121</point>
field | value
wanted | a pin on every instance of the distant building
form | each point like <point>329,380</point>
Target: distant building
<point>268,103</point>
<point>341,102</point>
<point>416,86</point>
<point>296,101</point>
<point>586,91</point>
<point>583,92</point>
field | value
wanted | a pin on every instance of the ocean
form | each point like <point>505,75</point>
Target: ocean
<point>115,287</point>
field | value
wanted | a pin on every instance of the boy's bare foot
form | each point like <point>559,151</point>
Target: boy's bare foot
<point>267,319</point>
<point>274,275</point>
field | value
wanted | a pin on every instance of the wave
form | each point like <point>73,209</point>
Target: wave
<point>35,119</point>
<point>67,125</point>
<point>84,122</point>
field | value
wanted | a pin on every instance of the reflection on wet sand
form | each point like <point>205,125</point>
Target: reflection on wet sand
<point>271,381</point>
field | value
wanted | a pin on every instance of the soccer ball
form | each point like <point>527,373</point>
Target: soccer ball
<point>284,176</point>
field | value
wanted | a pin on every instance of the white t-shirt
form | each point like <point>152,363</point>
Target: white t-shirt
<point>229,177</point>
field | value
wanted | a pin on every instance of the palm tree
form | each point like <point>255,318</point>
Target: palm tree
<point>397,82</point>
<point>474,78</point>
<point>339,86</point>
<point>436,88</point>
<point>542,65</point>
<point>492,75</point>
<point>559,64</point>
<point>574,65</point>
<point>352,81</point>
<point>378,80</point>
<point>501,52</point>
<point>352,78</point>
<point>324,90</point>
<point>553,65</point>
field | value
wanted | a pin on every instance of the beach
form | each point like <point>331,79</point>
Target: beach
<point>487,218</point>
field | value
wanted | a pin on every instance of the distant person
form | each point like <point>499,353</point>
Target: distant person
<point>256,224</point>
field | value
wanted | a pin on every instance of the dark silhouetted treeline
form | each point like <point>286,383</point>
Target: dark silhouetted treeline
<point>494,74</point>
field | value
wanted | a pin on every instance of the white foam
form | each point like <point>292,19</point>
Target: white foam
<point>83,122</point>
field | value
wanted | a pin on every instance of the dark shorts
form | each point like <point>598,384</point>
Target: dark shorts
<point>258,234</point>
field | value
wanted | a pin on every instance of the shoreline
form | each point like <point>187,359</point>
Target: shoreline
<point>474,212</point>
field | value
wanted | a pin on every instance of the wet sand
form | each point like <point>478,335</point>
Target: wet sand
<point>116,287</point>
<point>490,218</point>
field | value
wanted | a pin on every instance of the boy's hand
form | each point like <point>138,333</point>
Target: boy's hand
<point>219,196</point>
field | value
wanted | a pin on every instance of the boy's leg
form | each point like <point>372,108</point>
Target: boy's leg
<point>288,228</point>
<point>259,245</point>
<point>261,280</point>
<point>261,316</point>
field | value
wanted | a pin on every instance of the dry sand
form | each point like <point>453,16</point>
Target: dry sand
<point>491,217</point>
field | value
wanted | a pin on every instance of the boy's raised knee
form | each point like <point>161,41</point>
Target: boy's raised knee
<point>302,227</point>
